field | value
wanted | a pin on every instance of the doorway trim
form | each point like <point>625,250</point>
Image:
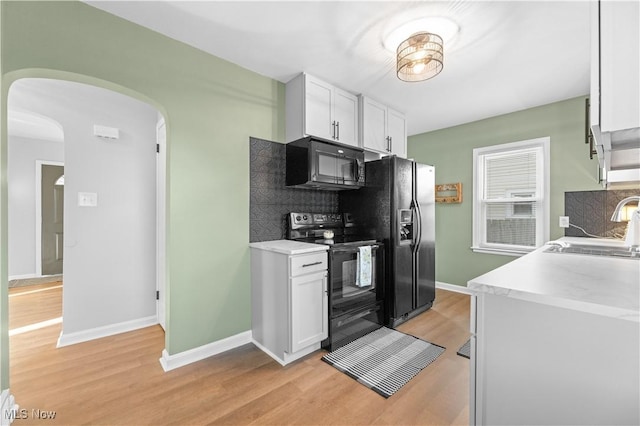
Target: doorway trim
<point>161,221</point>
<point>38,195</point>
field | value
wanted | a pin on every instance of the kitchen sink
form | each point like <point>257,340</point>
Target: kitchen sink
<point>608,250</point>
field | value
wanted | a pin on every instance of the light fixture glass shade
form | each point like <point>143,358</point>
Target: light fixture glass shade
<point>420,57</point>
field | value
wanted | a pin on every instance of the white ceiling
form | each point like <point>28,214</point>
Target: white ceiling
<point>508,55</point>
<point>27,124</point>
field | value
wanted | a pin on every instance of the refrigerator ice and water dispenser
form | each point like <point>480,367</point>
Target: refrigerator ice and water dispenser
<point>405,226</point>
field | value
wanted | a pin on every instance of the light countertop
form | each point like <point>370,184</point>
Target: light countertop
<point>289,247</point>
<point>607,286</point>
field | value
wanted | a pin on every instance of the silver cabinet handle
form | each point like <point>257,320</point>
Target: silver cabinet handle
<point>311,264</point>
<point>338,130</point>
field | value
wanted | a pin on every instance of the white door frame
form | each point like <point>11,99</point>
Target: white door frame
<point>39,164</point>
<point>161,221</point>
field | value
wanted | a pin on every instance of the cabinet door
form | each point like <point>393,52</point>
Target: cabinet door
<point>594,101</point>
<point>345,111</point>
<point>619,65</point>
<point>318,104</point>
<point>397,131</point>
<point>374,119</point>
<point>309,310</point>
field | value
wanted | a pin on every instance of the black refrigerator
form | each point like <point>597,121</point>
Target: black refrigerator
<point>397,206</point>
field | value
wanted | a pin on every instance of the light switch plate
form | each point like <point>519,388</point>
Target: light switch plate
<point>563,222</point>
<point>87,199</point>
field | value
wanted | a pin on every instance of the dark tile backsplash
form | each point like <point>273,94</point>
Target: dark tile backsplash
<point>270,200</point>
<point>592,210</point>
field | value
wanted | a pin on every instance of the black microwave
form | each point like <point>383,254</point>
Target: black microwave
<point>315,163</point>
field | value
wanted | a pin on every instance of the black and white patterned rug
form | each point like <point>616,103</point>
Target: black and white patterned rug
<point>465,350</point>
<point>384,360</point>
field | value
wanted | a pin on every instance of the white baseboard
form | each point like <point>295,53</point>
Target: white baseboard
<point>23,277</point>
<point>455,288</point>
<point>8,408</point>
<point>67,339</point>
<point>32,277</point>
<point>171,362</point>
<point>29,279</point>
<point>288,358</point>
<point>268,352</point>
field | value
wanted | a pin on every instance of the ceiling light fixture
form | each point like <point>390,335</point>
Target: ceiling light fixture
<point>419,46</point>
<point>420,57</point>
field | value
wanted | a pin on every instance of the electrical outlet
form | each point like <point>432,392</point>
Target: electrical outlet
<point>563,222</point>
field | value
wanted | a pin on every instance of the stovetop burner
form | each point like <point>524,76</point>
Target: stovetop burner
<point>310,227</point>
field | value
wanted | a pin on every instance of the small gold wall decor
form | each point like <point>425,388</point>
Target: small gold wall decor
<point>449,193</point>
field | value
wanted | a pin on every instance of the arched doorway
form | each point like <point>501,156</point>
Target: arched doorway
<point>110,232</point>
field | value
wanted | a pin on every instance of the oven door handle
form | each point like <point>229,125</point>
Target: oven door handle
<point>352,249</point>
<point>356,317</point>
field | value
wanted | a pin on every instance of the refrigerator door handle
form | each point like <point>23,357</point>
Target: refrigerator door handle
<point>415,220</point>
<point>414,236</point>
<point>418,221</point>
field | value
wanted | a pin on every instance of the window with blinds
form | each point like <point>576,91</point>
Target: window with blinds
<point>511,197</point>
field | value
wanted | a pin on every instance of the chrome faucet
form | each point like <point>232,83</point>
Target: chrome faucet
<point>617,213</point>
<point>632,233</point>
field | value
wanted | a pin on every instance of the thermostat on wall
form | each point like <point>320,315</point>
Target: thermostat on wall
<point>106,132</point>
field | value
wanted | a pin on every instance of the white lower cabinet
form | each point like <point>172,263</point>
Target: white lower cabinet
<point>289,303</point>
<point>538,364</point>
<point>309,311</point>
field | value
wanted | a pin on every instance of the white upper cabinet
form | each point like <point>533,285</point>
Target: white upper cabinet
<point>374,125</point>
<point>317,104</point>
<point>397,129</point>
<point>345,114</point>
<point>615,88</point>
<point>316,108</point>
<point>619,65</point>
<point>382,129</point>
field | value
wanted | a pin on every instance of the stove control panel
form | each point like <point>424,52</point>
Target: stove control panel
<point>315,219</point>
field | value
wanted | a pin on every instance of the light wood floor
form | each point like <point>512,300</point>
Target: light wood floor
<point>118,379</point>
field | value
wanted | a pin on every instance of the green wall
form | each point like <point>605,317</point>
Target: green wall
<point>451,152</point>
<point>211,106</point>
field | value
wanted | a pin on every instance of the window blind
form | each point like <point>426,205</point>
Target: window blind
<point>507,174</point>
<point>510,197</point>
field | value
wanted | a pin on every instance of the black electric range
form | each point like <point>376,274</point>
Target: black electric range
<point>356,289</point>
